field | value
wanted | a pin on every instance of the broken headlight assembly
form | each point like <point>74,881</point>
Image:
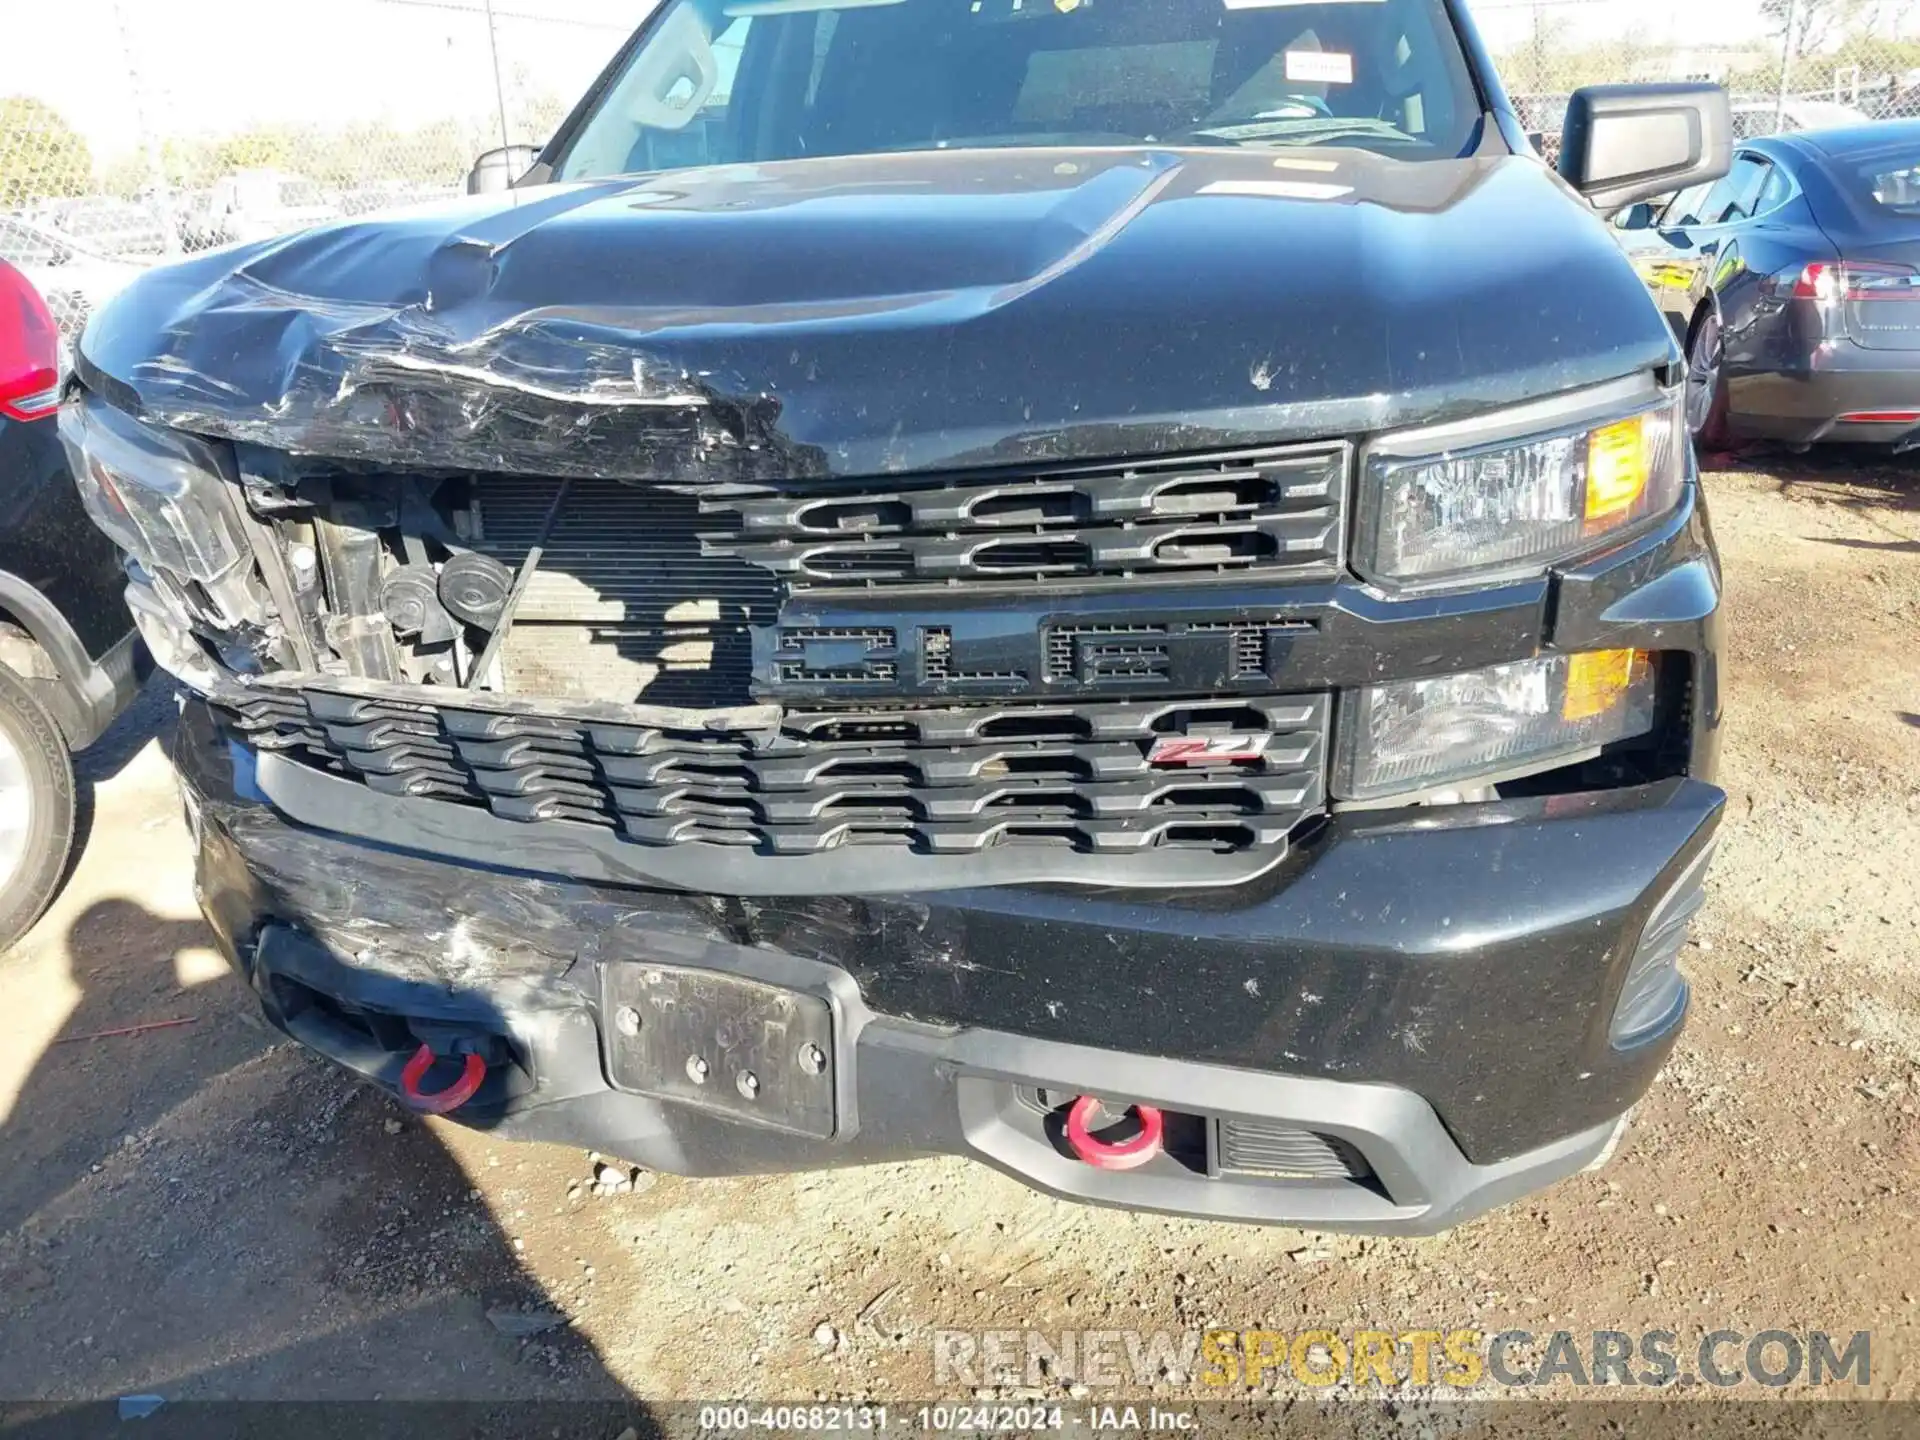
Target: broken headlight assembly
<point>162,496</point>
<point>1414,736</point>
<point>1506,496</point>
<point>167,499</point>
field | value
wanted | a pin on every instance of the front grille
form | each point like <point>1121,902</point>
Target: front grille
<point>624,606</point>
<point>946,780</point>
<point>1272,510</point>
<point>1269,1148</point>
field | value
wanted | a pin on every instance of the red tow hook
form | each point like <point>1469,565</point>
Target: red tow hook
<point>1122,1154</point>
<point>444,1101</point>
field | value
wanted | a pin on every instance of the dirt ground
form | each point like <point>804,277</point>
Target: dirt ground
<point>202,1211</point>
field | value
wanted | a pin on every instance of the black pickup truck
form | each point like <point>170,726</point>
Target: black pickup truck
<point>1115,589</point>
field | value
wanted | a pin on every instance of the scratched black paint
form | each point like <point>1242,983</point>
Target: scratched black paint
<point>755,321</point>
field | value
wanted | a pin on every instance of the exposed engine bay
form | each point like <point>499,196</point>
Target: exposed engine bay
<point>568,589</point>
<point>990,669</point>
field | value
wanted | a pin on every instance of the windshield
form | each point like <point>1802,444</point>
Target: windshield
<point>717,82</point>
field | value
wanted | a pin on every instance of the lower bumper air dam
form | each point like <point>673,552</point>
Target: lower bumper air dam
<point>1315,1043</point>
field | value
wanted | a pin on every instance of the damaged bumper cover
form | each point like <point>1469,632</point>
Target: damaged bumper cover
<point>1324,1046</point>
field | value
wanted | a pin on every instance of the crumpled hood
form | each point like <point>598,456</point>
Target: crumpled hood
<point>882,314</point>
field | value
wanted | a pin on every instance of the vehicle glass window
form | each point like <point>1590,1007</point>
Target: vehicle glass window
<point>1889,182</point>
<point>1777,190</point>
<point>1732,198</point>
<point>1685,208</point>
<point>1747,178</point>
<point>744,81</point>
<point>822,41</point>
<point>21,246</point>
<point>1060,85</point>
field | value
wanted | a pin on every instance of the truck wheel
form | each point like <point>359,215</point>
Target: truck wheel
<point>1707,383</point>
<point>36,809</point>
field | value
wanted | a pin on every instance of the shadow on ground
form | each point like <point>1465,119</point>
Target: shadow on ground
<point>205,1212</point>
<point>149,718</point>
<point>1862,478</point>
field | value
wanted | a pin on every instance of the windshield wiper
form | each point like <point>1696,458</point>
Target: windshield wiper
<point>1298,130</point>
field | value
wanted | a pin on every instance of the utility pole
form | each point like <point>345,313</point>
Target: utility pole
<point>499,81</point>
<point>150,142</point>
<point>1786,63</point>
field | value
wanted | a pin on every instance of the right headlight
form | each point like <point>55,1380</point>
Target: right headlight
<point>1508,495</point>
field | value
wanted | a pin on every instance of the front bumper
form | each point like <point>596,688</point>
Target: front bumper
<point>106,688</point>
<point>1429,991</point>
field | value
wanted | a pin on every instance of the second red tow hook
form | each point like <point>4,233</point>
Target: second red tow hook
<point>441,1102</point>
<point>1127,1154</point>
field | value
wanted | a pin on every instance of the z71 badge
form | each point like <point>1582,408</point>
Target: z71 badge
<point>1206,749</point>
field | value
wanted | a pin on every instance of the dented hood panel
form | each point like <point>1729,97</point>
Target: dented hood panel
<point>894,313</point>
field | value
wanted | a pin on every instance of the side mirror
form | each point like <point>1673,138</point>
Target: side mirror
<point>1624,143</point>
<point>497,170</point>
<point>1637,216</point>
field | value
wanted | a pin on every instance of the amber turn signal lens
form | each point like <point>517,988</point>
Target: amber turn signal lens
<point>1619,463</point>
<point>1597,680</point>
<point>1413,735</point>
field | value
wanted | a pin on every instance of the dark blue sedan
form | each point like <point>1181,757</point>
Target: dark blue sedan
<point>1794,285</point>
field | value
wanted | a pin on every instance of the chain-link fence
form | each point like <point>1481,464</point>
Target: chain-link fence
<point>134,129</point>
<point>1788,64</point>
<point>131,130</point>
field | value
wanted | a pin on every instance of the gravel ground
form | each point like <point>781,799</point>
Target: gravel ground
<point>202,1211</point>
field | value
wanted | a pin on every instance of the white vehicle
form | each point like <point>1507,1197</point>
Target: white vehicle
<point>74,279</point>
<point>257,204</point>
<point>1752,118</point>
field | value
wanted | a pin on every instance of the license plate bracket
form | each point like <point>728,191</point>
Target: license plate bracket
<point>725,1043</point>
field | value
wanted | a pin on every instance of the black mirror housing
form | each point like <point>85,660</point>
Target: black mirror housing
<point>501,169</point>
<point>1624,143</point>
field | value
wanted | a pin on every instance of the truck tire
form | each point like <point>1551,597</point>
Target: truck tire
<point>36,810</point>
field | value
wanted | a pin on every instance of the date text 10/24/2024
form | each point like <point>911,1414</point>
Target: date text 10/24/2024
<point>956,1418</point>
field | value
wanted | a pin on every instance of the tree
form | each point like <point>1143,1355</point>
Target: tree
<point>1806,25</point>
<point>1545,64</point>
<point>126,176</point>
<point>41,156</point>
<point>265,147</point>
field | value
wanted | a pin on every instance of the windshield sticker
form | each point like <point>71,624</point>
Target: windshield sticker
<point>1320,67</point>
